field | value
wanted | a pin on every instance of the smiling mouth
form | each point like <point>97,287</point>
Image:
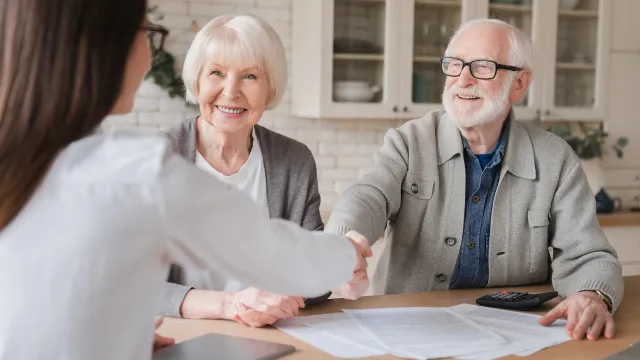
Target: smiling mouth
<point>230,110</point>
<point>464,97</point>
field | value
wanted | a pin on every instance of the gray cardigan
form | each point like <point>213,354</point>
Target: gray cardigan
<point>416,191</point>
<point>292,190</point>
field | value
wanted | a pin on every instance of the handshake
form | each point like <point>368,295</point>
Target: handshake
<point>360,281</point>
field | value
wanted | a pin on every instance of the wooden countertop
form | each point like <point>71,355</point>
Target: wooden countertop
<point>620,218</point>
<point>627,323</point>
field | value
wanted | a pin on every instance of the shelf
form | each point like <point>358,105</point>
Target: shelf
<point>427,59</point>
<point>511,8</point>
<point>575,66</point>
<point>578,13</point>
<point>358,57</point>
<point>442,3</point>
<point>368,1</point>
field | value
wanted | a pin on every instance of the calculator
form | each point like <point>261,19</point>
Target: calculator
<point>515,300</point>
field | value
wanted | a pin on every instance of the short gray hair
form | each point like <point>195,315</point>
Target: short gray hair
<point>521,46</point>
<point>240,39</point>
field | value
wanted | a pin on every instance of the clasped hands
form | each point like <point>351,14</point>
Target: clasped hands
<point>256,308</point>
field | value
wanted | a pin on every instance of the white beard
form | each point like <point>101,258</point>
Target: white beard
<point>492,108</point>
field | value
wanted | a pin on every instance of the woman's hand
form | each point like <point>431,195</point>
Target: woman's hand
<point>160,341</point>
<point>254,307</point>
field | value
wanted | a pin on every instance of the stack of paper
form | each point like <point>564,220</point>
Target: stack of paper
<point>463,331</point>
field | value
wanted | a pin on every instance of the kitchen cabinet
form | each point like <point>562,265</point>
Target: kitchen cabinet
<point>379,59</point>
<point>571,43</point>
<point>624,34</point>
<point>370,59</point>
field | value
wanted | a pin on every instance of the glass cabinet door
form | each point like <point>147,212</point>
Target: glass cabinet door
<point>434,24</point>
<point>429,25</point>
<point>518,13</point>
<point>358,51</point>
<point>577,54</point>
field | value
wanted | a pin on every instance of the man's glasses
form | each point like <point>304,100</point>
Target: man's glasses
<point>480,69</point>
<point>156,35</point>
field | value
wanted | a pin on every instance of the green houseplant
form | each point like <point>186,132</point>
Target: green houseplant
<point>590,142</point>
<point>163,67</point>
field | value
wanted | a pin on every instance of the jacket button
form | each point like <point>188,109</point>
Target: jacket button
<point>414,188</point>
<point>441,278</point>
<point>475,199</point>
<point>450,241</point>
<point>471,245</point>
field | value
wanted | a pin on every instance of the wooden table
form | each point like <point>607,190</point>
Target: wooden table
<point>627,323</point>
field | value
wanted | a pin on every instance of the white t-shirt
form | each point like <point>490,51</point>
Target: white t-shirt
<point>84,264</point>
<point>252,180</point>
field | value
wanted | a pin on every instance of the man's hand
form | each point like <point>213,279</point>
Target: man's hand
<point>160,341</point>
<point>586,314</point>
<point>360,281</point>
<point>256,308</point>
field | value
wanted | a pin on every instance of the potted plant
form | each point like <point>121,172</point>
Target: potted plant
<point>590,144</point>
<point>163,68</point>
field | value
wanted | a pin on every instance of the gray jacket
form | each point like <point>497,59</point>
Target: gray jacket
<point>292,190</point>
<point>416,191</point>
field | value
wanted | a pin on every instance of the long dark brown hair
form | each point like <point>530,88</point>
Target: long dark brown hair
<point>62,64</point>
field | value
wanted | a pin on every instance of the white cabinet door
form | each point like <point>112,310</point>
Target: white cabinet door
<point>623,117</point>
<point>425,30</point>
<point>345,59</point>
<point>624,30</point>
<point>576,59</point>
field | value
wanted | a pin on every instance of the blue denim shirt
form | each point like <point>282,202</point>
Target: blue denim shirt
<point>472,268</point>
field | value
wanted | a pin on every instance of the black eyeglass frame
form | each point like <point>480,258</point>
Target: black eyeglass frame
<point>156,29</point>
<point>465,63</point>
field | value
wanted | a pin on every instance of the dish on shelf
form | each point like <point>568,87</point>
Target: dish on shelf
<point>354,91</point>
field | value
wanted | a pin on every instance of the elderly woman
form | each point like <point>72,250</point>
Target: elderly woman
<point>235,69</point>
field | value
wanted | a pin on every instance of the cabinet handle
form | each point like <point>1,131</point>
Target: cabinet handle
<point>395,109</point>
<point>405,109</point>
<point>547,113</point>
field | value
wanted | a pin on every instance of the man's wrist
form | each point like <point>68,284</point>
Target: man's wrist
<point>604,297</point>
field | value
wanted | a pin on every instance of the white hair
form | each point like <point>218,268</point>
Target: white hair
<point>521,47</point>
<point>242,40</point>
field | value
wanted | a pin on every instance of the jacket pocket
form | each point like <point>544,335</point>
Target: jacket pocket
<point>539,241</point>
<point>418,186</point>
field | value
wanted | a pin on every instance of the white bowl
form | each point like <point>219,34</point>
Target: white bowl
<point>354,91</point>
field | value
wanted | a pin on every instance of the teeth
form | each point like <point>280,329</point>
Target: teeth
<point>468,97</point>
<point>230,110</point>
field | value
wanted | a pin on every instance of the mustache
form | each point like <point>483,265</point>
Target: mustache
<point>470,91</point>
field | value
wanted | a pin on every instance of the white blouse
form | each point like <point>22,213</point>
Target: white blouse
<point>250,179</point>
<point>82,267</point>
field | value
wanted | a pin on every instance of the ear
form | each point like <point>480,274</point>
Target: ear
<point>520,85</point>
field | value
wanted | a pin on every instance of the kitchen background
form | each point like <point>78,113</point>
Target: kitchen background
<point>359,67</point>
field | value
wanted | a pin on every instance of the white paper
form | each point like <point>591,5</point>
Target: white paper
<point>344,327</point>
<point>524,334</point>
<point>320,340</point>
<point>426,333</point>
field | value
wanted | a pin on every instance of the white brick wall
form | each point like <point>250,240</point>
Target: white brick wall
<point>343,149</point>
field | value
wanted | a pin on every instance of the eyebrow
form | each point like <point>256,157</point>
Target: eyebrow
<point>248,69</point>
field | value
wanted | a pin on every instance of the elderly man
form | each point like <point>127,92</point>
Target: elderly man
<point>472,198</point>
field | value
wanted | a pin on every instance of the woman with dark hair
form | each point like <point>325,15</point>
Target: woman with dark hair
<point>89,223</point>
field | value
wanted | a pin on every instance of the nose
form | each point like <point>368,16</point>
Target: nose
<point>231,88</point>
<point>466,79</point>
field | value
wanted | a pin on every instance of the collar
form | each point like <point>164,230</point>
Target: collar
<point>518,156</point>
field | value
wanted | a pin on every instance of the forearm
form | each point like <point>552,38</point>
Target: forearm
<point>206,304</point>
<point>362,208</point>
<point>594,271</point>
